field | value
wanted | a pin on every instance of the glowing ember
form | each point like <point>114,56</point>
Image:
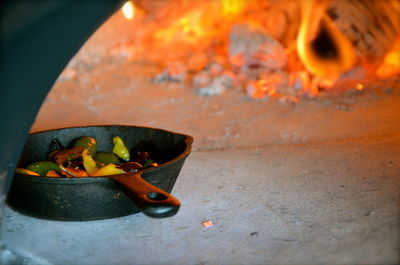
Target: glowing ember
<point>207,223</point>
<point>359,86</point>
<point>128,9</point>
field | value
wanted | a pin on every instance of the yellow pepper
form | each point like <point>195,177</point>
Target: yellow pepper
<point>25,171</point>
<point>89,163</point>
<point>92,169</point>
<point>120,149</point>
<point>110,169</point>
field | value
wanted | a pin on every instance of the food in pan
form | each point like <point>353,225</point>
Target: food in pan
<point>83,160</point>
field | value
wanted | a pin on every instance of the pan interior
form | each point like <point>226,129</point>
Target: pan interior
<point>164,146</point>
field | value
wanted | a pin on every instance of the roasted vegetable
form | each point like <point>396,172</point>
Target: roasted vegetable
<point>92,169</point>
<point>42,167</point>
<point>89,163</point>
<point>61,157</point>
<point>110,169</point>
<point>83,160</point>
<point>141,157</point>
<point>130,166</point>
<point>106,158</point>
<point>120,149</point>
<point>25,171</point>
<point>73,172</point>
<point>53,174</point>
<point>86,142</point>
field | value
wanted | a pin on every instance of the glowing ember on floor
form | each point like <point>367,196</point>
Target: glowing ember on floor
<point>207,223</point>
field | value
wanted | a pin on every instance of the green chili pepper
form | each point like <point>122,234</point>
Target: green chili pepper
<point>106,158</point>
<point>120,149</point>
<point>86,142</point>
<point>42,167</point>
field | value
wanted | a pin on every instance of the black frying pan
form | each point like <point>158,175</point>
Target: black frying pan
<point>94,198</point>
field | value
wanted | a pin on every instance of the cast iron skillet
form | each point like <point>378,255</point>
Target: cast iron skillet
<point>94,198</point>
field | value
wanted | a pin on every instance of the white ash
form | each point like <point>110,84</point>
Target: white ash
<point>251,47</point>
<point>201,79</point>
<point>207,75</point>
<point>217,86</point>
<point>214,79</point>
<point>295,81</point>
<point>215,68</point>
<point>173,73</point>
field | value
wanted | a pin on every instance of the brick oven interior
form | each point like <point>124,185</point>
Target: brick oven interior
<point>270,180</point>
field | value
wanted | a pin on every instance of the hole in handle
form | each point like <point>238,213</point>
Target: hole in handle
<point>156,196</point>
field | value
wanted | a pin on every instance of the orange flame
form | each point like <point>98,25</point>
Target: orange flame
<point>128,9</point>
<point>391,63</point>
<point>232,7</point>
<point>322,48</point>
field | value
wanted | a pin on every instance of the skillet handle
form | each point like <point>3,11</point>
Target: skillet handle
<point>151,200</point>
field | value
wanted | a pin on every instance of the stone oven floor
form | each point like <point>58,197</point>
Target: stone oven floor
<point>316,182</point>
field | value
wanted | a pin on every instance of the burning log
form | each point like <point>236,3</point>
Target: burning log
<point>371,26</point>
<point>334,35</point>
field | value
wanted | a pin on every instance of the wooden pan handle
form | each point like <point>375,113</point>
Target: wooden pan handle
<point>151,200</point>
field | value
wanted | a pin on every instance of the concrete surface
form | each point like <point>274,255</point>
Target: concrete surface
<point>123,93</point>
<point>315,182</point>
<point>324,203</point>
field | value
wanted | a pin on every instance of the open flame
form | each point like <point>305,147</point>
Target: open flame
<point>323,49</point>
<point>292,49</point>
<point>128,9</point>
<point>232,7</point>
<point>391,63</point>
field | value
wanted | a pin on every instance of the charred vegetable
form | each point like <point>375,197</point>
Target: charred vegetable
<point>63,156</point>
<point>131,166</point>
<point>88,143</point>
<point>55,145</point>
<point>141,157</point>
